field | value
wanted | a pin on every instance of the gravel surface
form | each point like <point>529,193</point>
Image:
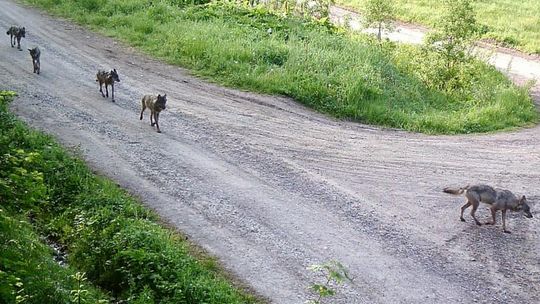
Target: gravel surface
<point>270,187</point>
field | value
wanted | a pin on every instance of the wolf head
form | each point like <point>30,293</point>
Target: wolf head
<point>523,206</point>
<point>22,32</point>
<point>161,101</point>
<point>34,52</point>
<point>114,75</point>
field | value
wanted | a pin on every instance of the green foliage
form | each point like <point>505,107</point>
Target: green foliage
<point>379,13</point>
<point>28,273</point>
<point>506,22</point>
<point>335,274</point>
<point>448,51</point>
<point>21,187</point>
<point>455,36</point>
<point>112,240</point>
<point>345,75</point>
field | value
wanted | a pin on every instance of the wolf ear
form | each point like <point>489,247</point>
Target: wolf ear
<point>158,96</point>
<point>30,50</point>
<point>164,95</point>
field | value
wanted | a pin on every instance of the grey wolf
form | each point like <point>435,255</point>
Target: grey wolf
<point>107,78</point>
<point>497,199</point>
<point>35,53</point>
<point>17,33</point>
<point>156,104</point>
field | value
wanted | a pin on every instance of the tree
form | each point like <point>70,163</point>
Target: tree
<point>456,32</point>
<point>379,13</point>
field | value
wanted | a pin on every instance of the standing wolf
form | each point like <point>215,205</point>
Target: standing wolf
<point>107,79</point>
<point>16,32</point>
<point>497,199</point>
<point>35,53</point>
<point>156,105</point>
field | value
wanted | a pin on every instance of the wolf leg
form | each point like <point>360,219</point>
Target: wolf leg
<point>156,118</point>
<point>504,221</point>
<point>143,108</point>
<point>493,221</point>
<point>101,89</point>
<point>473,211</point>
<point>467,205</point>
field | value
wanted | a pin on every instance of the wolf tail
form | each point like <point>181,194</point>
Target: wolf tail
<point>455,191</point>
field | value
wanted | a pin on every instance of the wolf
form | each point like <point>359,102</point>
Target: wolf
<point>497,199</point>
<point>156,104</point>
<point>107,78</point>
<point>17,33</point>
<point>35,53</point>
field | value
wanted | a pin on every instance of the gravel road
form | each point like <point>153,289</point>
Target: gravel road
<point>270,187</point>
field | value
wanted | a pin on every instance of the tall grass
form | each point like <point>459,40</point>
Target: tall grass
<point>107,234</point>
<point>509,22</point>
<point>346,75</point>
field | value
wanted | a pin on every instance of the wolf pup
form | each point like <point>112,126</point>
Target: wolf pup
<point>35,53</point>
<point>16,33</point>
<point>497,199</point>
<point>107,78</point>
<point>156,104</point>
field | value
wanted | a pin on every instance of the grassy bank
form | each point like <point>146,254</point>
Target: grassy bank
<point>509,22</point>
<point>107,234</point>
<point>346,75</point>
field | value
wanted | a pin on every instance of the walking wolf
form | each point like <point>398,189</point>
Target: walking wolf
<point>497,199</point>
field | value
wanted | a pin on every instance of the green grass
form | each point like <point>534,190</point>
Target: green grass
<point>342,74</point>
<point>509,22</point>
<point>108,235</point>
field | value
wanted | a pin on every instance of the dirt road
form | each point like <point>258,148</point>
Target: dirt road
<point>270,187</point>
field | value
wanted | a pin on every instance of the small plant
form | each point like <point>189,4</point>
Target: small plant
<point>78,295</point>
<point>379,13</point>
<point>335,274</point>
